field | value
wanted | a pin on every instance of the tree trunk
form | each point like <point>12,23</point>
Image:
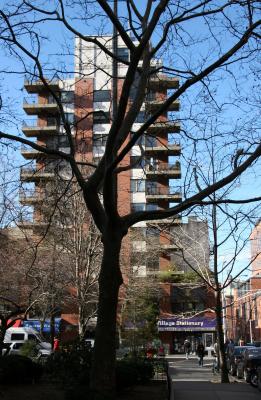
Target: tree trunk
<point>220,337</point>
<point>103,369</point>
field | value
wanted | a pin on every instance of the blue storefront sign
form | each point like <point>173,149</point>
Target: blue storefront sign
<point>36,324</point>
<point>195,324</point>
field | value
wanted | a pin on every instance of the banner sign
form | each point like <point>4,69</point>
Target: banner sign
<point>187,324</point>
<point>36,324</point>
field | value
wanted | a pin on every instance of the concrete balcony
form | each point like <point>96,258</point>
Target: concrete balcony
<point>169,247</point>
<point>32,107</point>
<point>32,225</point>
<point>163,82</point>
<point>170,171</point>
<point>33,174</point>
<point>31,154</point>
<point>153,105</point>
<point>157,147</point>
<point>35,85</point>
<point>32,129</point>
<point>163,127</point>
<point>163,193</point>
<point>30,197</point>
<point>165,221</point>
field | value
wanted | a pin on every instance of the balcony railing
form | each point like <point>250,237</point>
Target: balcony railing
<point>31,173</point>
<point>32,106</point>
<point>30,196</point>
<point>165,191</point>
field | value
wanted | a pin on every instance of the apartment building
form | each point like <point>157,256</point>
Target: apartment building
<point>151,181</point>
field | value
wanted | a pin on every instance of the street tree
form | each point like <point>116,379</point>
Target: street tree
<point>211,47</point>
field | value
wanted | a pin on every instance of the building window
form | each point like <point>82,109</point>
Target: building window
<point>152,265</point>
<point>101,117</point>
<point>137,185</point>
<point>152,207</point>
<point>137,162</point>
<point>152,232</point>
<point>99,140</point>
<point>63,141</point>
<point>140,140</point>
<point>135,207</point>
<point>123,53</point>
<point>69,117</point>
<point>67,97</point>
<point>140,117</point>
<point>101,95</point>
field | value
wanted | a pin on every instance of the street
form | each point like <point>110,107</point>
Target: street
<point>190,381</point>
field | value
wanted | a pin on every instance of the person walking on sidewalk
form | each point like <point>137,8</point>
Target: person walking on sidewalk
<point>200,353</point>
<point>187,347</point>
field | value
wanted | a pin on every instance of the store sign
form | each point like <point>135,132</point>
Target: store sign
<point>36,324</point>
<point>187,324</point>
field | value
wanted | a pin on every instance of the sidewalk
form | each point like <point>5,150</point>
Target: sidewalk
<point>191,382</point>
<point>213,391</point>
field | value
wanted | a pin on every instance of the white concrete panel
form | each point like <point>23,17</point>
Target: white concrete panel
<point>139,245</point>
<point>137,173</point>
<point>136,151</point>
<point>141,224</point>
<point>138,197</point>
<point>101,128</point>
<point>139,270</point>
<point>101,105</point>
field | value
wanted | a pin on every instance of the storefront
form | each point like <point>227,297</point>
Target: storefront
<point>174,331</point>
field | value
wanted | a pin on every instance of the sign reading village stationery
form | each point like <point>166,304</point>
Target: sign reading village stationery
<point>187,324</point>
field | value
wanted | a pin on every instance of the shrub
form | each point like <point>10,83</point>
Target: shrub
<point>71,365</point>
<point>29,349</point>
<point>131,372</point>
<point>17,369</point>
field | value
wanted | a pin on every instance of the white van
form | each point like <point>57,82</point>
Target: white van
<point>23,334</point>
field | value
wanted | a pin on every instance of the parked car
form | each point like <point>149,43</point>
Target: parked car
<point>234,358</point>
<point>15,347</point>
<point>247,366</point>
<point>23,334</point>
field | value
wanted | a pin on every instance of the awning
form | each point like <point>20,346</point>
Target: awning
<point>36,324</point>
<point>195,324</point>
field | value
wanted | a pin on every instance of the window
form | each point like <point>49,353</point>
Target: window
<point>151,96</point>
<point>138,207</point>
<point>32,337</point>
<point>137,162</point>
<point>101,95</point>
<point>101,117</point>
<point>137,185</point>
<point>63,141</point>
<point>151,141</point>
<point>153,265</point>
<point>140,117</point>
<point>140,140</point>
<point>152,231</point>
<point>51,121</point>
<point>69,117</point>
<point>152,207</point>
<point>123,53</point>
<point>99,140</point>
<point>67,97</point>
<point>17,336</point>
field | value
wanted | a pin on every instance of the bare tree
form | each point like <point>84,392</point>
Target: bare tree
<point>230,45</point>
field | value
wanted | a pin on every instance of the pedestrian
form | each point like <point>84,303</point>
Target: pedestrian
<point>217,356</point>
<point>200,353</point>
<point>187,347</point>
<point>56,344</point>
